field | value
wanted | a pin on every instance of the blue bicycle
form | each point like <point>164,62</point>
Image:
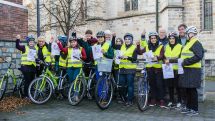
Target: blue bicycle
<point>142,86</point>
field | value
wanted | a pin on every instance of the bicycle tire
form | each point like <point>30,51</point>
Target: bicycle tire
<point>142,94</point>
<point>21,88</point>
<point>47,82</point>
<point>3,86</point>
<point>65,86</point>
<point>100,102</point>
<point>73,94</point>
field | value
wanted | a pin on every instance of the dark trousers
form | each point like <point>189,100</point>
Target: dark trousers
<point>39,70</point>
<point>172,93</point>
<point>28,77</point>
<point>157,85</point>
<point>192,98</point>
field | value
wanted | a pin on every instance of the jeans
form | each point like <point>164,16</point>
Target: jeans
<point>127,79</point>
<point>73,73</point>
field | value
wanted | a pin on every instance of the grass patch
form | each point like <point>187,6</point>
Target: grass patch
<point>210,78</point>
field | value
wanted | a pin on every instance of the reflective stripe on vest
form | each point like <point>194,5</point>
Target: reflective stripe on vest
<point>127,64</point>
<point>73,63</point>
<point>186,53</point>
<point>24,60</point>
<point>156,53</point>
<point>173,53</point>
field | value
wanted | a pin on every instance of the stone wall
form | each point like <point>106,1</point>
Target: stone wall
<point>9,52</point>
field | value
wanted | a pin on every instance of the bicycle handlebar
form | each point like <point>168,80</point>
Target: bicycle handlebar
<point>82,60</point>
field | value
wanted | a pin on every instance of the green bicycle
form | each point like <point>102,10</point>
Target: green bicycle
<point>41,89</point>
<point>13,76</point>
<point>82,85</point>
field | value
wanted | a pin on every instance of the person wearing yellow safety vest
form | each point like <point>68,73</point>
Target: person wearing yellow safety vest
<point>172,54</point>
<point>107,50</point>
<point>44,54</point>
<point>192,54</point>
<point>73,52</point>
<point>28,61</point>
<point>127,68</point>
<point>154,70</point>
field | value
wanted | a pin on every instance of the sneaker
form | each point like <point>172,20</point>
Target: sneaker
<point>170,105</point>
<point>185,111</point>
<point>178,106</point>
<point>192,113</point>
<point>162,104</point>
<point>152,103</point>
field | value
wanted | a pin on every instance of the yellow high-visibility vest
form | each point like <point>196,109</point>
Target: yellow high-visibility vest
<point>186,53</point>
<point>127,64</point>
<point>173,53</point>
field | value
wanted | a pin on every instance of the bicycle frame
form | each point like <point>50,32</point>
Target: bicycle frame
<point>9,72</point>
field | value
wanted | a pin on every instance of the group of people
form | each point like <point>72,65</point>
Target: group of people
<point>166,49</point>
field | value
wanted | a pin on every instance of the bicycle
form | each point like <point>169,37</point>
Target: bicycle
<point>82,85</point>
<point>143,87</point>
<point>104,86</point>
<point>41,88</point>
<point>9,76</point>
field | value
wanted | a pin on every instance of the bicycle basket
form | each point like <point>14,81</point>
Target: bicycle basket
<point>105,65</point>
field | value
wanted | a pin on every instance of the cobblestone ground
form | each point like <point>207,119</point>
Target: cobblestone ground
<point>58,110</point>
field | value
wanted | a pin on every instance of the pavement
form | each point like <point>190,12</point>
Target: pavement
<point>87,110</point>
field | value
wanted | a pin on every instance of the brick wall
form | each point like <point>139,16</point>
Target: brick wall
<point>13,21</point>
<point>15,1</point>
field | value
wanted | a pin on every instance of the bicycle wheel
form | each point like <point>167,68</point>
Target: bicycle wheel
<point>142,94</point>
<point>40,90</point>
<point>65,86</point>
<point>76,91</point>
<point>3,86</point>
<point>104,92</point>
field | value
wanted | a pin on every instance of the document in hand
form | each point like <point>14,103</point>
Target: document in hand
<point>55,49</point>
<point>168,72</point>
<point>97,52</point>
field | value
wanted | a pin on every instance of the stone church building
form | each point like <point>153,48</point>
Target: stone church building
<point>122,16</point>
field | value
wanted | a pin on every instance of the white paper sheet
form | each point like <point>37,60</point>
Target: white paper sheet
<point>180,68</point>
<point>76,54</point>
<point>97,51</point>
<point>55,49</point>
<point>31,55</point>
<point>148,56</point>
<point>168,72</point>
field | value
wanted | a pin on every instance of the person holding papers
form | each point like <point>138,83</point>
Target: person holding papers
<point>154,53</point>
<point>127,67</point>
<point>101,50</point>
<point>192,54</point>
<point>28,61</point>
<point>74,53</point>
<point>172,53</point>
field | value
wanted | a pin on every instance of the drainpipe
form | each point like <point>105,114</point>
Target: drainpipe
<point>38,18</point>
<point>157,16</point>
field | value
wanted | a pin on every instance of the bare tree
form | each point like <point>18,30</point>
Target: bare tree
<point>64,13</point>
